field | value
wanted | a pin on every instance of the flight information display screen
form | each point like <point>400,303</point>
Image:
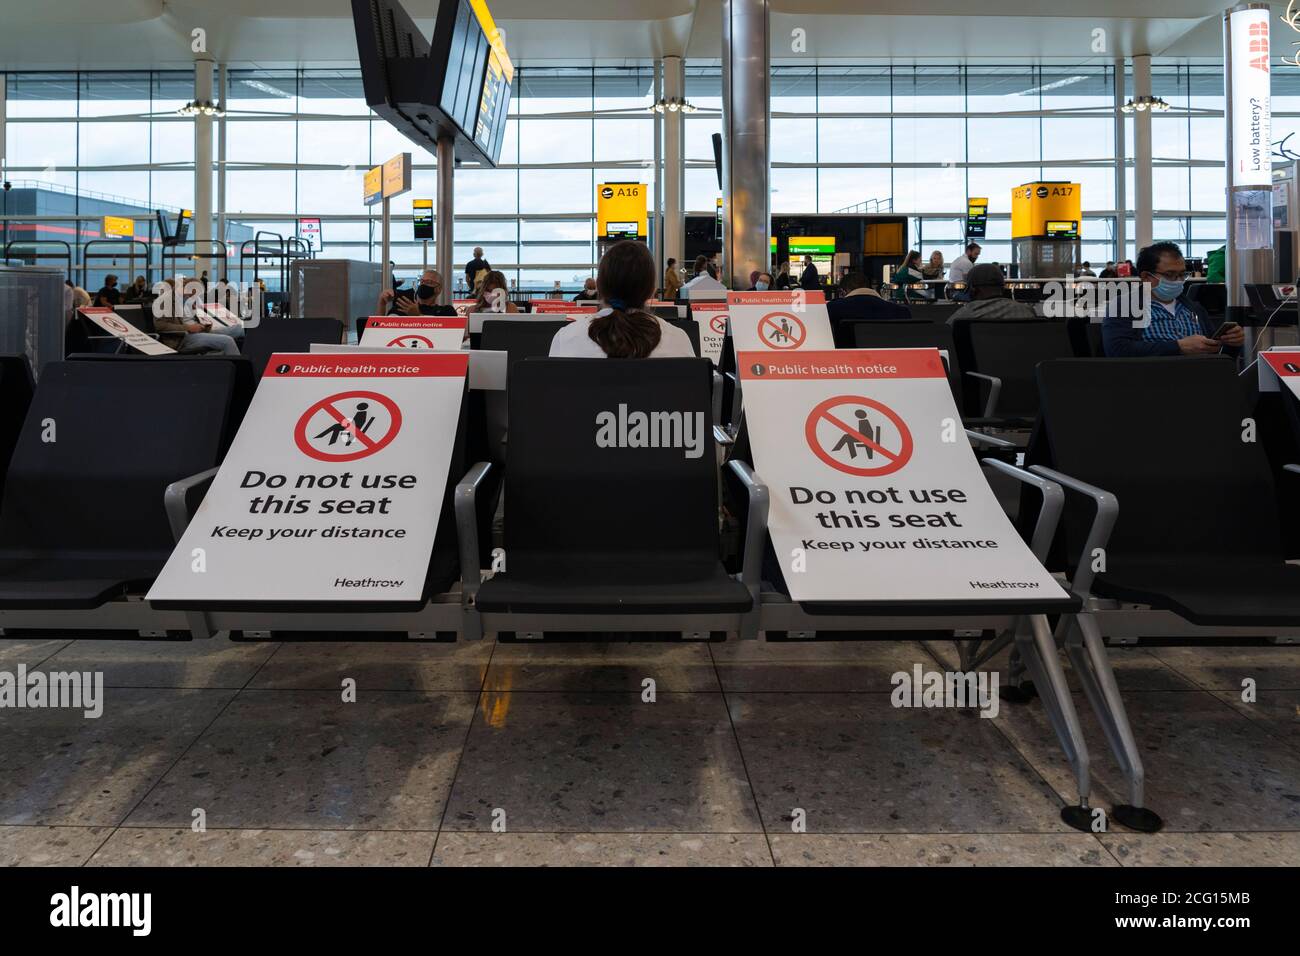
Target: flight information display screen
<point>476,87</point>
<point>493,105</point>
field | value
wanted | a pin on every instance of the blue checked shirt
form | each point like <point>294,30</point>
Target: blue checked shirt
<point>1172,326</point>
<point>1160,337</point>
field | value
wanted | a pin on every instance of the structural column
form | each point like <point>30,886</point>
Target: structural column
<point>674,162</point>
<point>223,90</point>
<point>746,122</point>
<point>202,163</point>
<point>445,235</point>
<point>1142,153</point>
<point>1121,166</point>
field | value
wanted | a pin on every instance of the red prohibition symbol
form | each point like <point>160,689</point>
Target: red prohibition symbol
<point>858,435</point>
<point>781,330</point>
<point>347,434</point>
<point>410,342</point>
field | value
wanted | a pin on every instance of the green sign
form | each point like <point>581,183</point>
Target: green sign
<point>812,245</point>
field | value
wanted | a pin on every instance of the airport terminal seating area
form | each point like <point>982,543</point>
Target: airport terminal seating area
<point>1128,458</point>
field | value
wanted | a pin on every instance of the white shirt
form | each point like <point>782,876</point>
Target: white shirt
<point>573,341</point>
<point>961,266</point>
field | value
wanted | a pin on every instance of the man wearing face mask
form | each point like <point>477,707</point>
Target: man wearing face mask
<point>423,302</point>
<point>1176,326</point>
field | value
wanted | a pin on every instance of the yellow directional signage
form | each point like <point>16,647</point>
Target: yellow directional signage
<point>1034,205</point>
<point>118,227</point>
<point>621,211</point>
<point>397,175</point>
<point>372,190</point>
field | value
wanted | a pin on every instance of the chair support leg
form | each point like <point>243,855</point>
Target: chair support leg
<point>1092,663</point>
<point>1040,656</point>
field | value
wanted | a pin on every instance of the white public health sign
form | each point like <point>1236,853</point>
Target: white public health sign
<point>876,494</point>
<point>712,320</point>
<point>442,334</point>
<point>779,322</point>
<point>120,329</point>
<point>332,489</point>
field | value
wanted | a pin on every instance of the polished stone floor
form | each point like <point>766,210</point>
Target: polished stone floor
<point>524,754</point>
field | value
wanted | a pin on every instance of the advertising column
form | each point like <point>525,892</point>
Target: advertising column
<point>1247,114</point>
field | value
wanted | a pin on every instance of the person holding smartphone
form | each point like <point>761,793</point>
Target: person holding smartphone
<point>1176,326</point>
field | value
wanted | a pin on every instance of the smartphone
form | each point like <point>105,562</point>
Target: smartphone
<point>1222,329</point>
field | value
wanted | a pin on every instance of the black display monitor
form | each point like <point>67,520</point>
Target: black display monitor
<point>453,85</point>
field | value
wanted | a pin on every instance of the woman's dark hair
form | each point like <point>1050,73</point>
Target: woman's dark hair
<point>672,262</point>
<point>701,264</point>
<point>625,281</point>
<point>913,256</point>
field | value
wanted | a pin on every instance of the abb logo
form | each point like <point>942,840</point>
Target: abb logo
<point>1258,46</point>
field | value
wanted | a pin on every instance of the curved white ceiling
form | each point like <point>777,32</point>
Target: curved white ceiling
<point>156,33</point>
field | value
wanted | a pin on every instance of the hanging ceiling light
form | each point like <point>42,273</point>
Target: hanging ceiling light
<point>201,108</point>
<point>1142,104</point>
<point>671,105</point>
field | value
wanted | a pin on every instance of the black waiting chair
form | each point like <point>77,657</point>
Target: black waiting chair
<point>269,336</point>
<point>998,358</point>
<point>1172,527</point>
<point>520,338</point>
<point>83,519</point>
<point>1085,337</point>
<point>691,328</point>
<point>912,334</point>
<point>241,394</point>
<point>16,387</point>
<point>597,527</point>
<point>1183,476</point>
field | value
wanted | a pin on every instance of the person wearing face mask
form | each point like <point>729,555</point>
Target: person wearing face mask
<point>762,282</point>
<point>1176,326</point>
<point>423,302</point>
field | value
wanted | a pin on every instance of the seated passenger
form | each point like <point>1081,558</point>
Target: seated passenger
<point>935,268</point>
<point>423,301</point>
<point>138,292</point>
<point>180,329</point>
<point>625,281</point>
<point>110,295</point>
<point>987,288</point>
<point>588,293</point>
<point>860,301</point>
<point>1177,326</point>
<point>908,273</point>
<point>493,295</point>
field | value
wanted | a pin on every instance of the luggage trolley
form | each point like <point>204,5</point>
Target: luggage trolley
<point>262,248</point>
<point>136,248</point>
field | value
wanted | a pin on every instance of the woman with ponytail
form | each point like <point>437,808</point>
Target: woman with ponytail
<point>625,281</point>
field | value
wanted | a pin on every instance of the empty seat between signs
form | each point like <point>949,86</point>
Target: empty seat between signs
<point>599,520</point>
